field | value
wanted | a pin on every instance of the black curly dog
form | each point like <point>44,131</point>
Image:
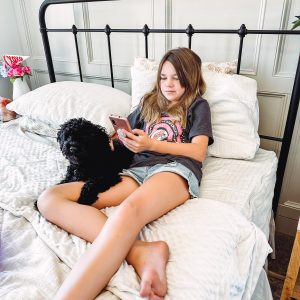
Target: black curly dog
<point>86,147</point>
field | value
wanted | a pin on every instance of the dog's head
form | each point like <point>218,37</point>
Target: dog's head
<point>82,141</point>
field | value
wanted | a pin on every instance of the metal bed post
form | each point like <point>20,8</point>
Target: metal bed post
<point>45,39</point>
<point>108,31</point>
<point>241,32</point>
<point>287,137</point>
<point>190,31</point>
<point>146,32</point>
<point>74,31</point>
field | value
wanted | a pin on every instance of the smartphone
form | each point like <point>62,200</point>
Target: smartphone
<point>120,123</point>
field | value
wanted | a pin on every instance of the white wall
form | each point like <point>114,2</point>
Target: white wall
<point>9,40</point>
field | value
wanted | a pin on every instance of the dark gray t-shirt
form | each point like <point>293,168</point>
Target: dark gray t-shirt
<point>169,129</point>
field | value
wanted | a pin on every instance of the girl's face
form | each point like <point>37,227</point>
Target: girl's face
<point>169,83</point>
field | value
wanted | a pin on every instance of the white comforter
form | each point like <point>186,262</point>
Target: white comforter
<point>215,252</point>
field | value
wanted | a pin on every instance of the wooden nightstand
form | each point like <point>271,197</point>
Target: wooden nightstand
<point>291,287</point>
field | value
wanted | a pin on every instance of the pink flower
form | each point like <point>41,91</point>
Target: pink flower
<point>10,73</point>
<point>18,72</point>
<point>26,70</point>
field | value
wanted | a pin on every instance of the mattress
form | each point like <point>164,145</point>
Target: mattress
<point>224,180</point>
<point>209,232</point>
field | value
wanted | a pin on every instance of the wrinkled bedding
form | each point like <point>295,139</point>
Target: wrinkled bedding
<point>216,253</point>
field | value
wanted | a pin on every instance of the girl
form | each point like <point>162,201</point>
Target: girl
<point>170,139</point>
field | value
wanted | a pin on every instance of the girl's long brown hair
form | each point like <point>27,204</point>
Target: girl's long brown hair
<point>188,68</point>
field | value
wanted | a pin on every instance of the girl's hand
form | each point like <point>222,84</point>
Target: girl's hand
<point>137,141</point>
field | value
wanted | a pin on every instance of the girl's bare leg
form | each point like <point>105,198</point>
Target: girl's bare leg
<point>58,204</point>
<point>110,248</point>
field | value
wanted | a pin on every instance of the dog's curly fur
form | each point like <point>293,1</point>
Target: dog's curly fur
<point>87,148</point>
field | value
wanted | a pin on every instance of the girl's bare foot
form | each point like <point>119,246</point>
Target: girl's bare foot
<point>149,259</point>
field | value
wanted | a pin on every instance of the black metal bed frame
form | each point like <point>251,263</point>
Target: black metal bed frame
<point>189,31</point>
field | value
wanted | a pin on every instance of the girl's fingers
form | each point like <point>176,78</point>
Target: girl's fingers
<point>136,141</point>
<point>131,135</point>
<point>131,145</point>
<point>138,131</point>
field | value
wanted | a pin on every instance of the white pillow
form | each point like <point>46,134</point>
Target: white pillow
<point>234,111</point>
<point>233,103</point>
<point>57,102</point>
<point>143,78</point>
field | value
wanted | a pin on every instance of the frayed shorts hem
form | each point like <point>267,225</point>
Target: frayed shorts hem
<point>141,174</point>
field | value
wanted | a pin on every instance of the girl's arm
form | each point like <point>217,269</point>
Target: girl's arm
<point>139,141</point>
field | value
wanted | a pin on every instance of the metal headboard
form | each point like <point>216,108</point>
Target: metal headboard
<point>189,31</point>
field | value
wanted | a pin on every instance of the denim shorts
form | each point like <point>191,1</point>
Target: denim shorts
<point>141,174</point>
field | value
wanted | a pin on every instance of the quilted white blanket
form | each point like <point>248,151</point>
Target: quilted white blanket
<point>215,252</point>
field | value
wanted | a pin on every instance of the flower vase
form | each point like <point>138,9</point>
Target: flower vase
<point>20,87</point>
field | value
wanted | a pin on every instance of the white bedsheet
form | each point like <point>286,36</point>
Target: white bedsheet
<point>215,252</point>
<point>246,185</point>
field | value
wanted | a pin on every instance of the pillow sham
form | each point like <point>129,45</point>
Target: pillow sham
<point>233,102</point>
<point>57,102</point>
<point>228,67</point>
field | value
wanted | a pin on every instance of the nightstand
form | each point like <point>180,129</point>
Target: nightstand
<point>291,286</point>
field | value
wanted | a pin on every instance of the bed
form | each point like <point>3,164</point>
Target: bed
<point>219,241</point>
<point>36,255</point>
